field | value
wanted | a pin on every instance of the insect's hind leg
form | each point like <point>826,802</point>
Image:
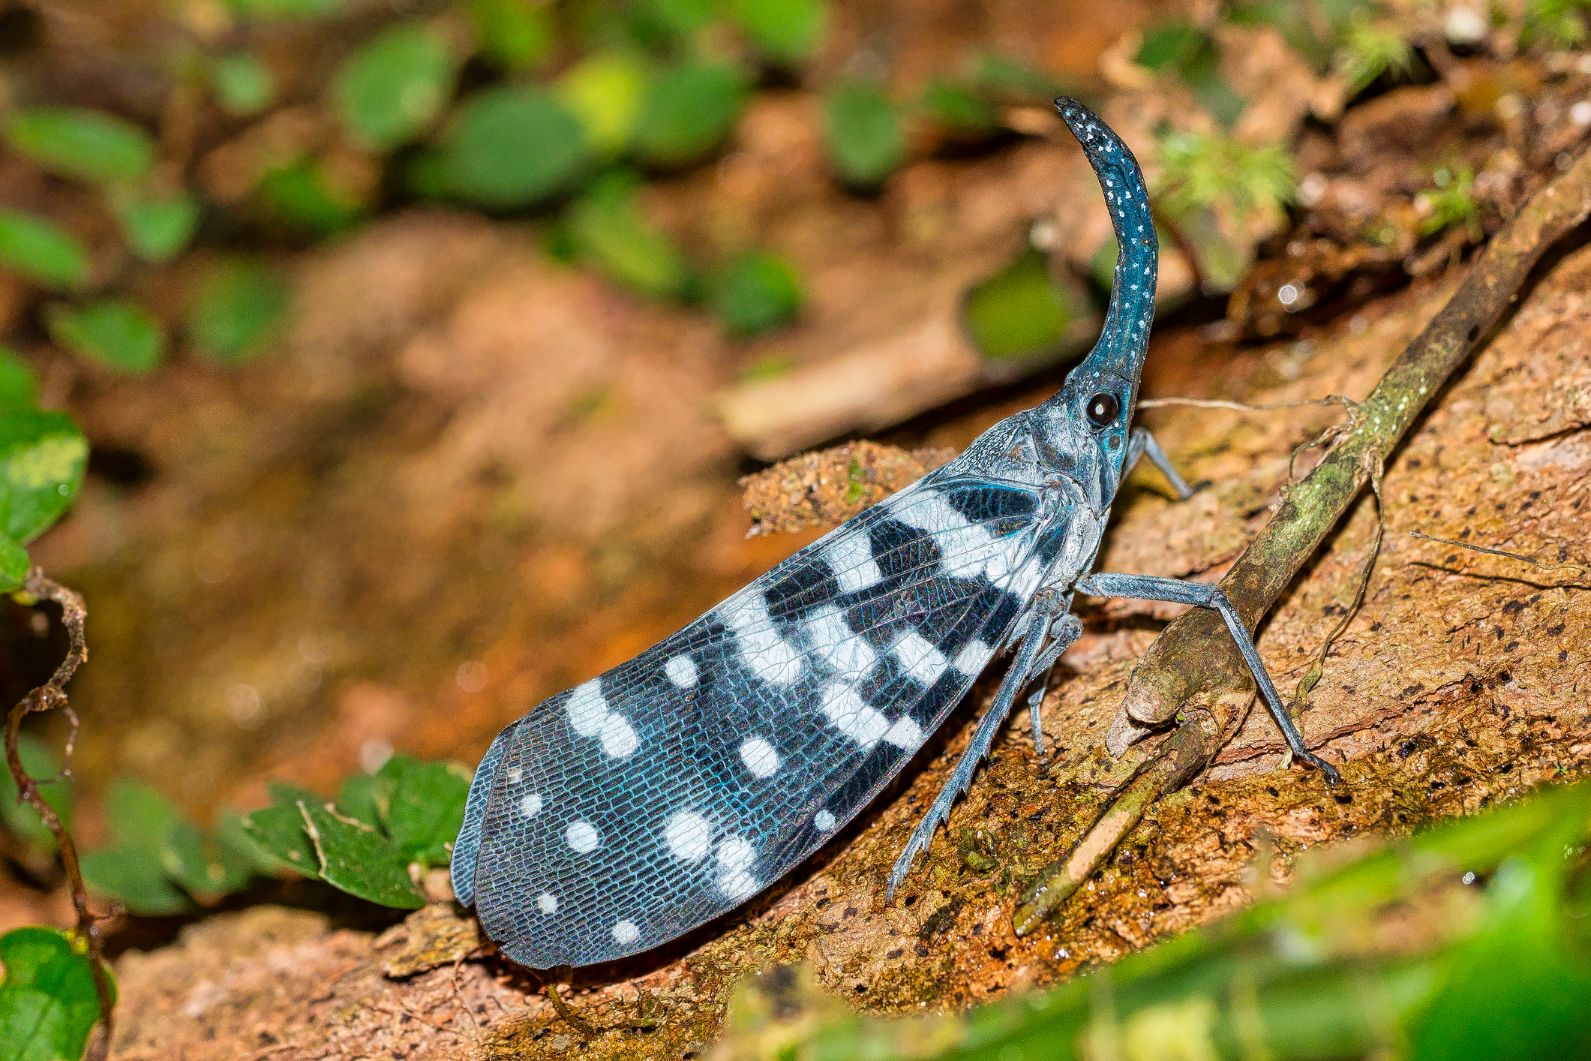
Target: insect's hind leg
<point>1142,444</point>
<point>1063,634</point>
<point>1046,640</point>
<point>1203,595</point>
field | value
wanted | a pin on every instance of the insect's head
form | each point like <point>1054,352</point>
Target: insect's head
<point>1092,412</point>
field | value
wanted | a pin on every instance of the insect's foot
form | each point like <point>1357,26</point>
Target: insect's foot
<point>1333,778</point>
<point>903,865</point>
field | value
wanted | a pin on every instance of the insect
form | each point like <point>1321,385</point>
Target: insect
<point>626,811</point>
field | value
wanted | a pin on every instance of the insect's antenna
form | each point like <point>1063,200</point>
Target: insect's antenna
<point>1125,337</point>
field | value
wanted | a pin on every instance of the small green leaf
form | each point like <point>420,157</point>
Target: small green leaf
<point>786,31</point>
<point>757,292</point>
<point>959,109</point>
<point>606,91</point>
<point>48,1003</point>
<point>512,34</point>
<point>19,388</point>
<point>359,860</point>
<point>272,10</point>
<point>240,853</point>
<point>391,89</point>
<point>136,878</point>
<point>609,231</point>
<point>512,146</point>
<point>1170,45</point>
<point>42,458</point>
<point>13,573</point>
<point>302,195</point>
<point>243,83</point>
<point>140,816</point>
<point>43,765</point>
<point>81,143</point>
<point>678,18</point>
<point>41,250</point>
<point>236,310</point>
<point>863,132</point>
<point>691,109</point>
<point>114,332</point>
<point>158,228</point>
<point>278,831</point>
<point>1020,312</point>
<point>357,799</point>
<point>423,806</point>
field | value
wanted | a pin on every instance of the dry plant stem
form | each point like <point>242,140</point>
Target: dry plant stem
<point>51,696</point>
<point>1193,671</point>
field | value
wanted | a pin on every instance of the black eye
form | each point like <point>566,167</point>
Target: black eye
<point>1102,409</point>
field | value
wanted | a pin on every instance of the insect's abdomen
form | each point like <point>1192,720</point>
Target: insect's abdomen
<point>634,807</point>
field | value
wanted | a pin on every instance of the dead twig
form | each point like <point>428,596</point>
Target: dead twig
<point>51,696</point>
<point>1193,671</point>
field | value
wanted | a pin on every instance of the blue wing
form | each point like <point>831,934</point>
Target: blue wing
<point>624,812</point>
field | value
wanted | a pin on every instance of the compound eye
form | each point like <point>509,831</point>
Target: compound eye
<point>1102,409</point>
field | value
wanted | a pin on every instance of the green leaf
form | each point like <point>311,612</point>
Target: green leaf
<point>13,573</point>
<point>236,310</point>
<point>240,853</point>
<point>278,831</point>
<point>243,83</point>
<point>606,91</point>
<point>1019,313</point>
<point>19,388</point>
<point>357,799</point>
<point>42,458</point>
<point>609,231</point>
<point>512,34</point>
<point>959,109</point>
<point>1170,45</point>
<point>302,195</point>
<point>423,806</point>
<point>135,877</point>
<point>863,133</point>
<point>757,292</point>
<point>158,228</point>
<point>114,332</point>
<point>691,109</point>
<point>390,90</point>
<point>41,764</point>
<point>140,816</point>
<point>513,146</point>
<point>359,860</point>
<point>41,250</point>
<point>271,10</point>
<point>786,31</point>
<point>678,18</point>
<point>48,1004</point>
<point>81,143</point>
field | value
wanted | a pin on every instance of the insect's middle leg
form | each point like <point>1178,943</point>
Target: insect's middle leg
<point>1203,595</point>
<point>1142,444</point>
<point>1040,648</point>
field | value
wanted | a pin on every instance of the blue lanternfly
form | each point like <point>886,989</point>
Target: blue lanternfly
<point>674,787</point>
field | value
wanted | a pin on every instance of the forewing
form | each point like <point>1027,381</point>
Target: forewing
<point>621,813</point>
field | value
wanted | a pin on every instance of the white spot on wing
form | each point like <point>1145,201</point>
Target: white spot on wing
<point>587,708</point>
<point>770,656</point>
<point>530,805</point>
<point>582,837</point>
<point>618,736</point>
<point>759,757</point>
<point>846,711</point>
<point>851,558</point>
<point>688,835</point>
<point>735,856</point>
<point>973,657</point>
<point>823,820</point>
<point>834,642</point>
<point>681,670</point>
<point>626,932</point>
<point>547,903</point>
<point>904,732</point>
<point>919,658</point>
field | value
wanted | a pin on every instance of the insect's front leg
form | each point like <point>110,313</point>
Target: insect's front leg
<point>1142,444</point>
<point>1203,595</point>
